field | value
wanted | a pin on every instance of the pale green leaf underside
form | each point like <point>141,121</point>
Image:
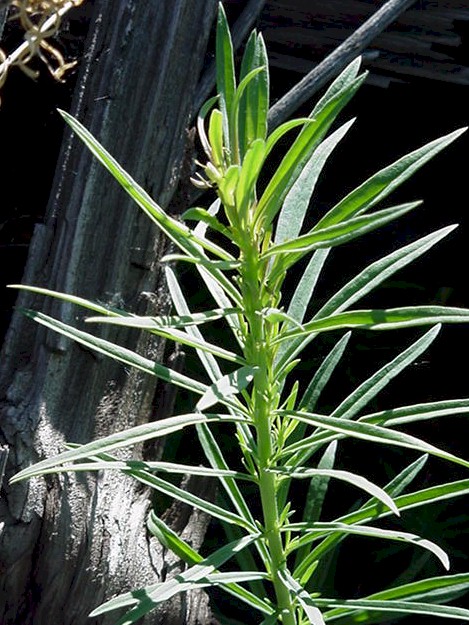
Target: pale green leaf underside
<point>385,319</point>
<point>373,511</point>
<point>341,233</point>
<point>132,436</point>
<point>167,321</point>
<point>169,539</point>
<point>351,478</point>
<point>365,431</point>
<point>312,531</point>
<point>122,354</point>
<point>311,611</point>
<point>385,181</point>
<point>418,412</point>
<point>397,606</point>
<point>159,328</point>
<point>196,573</point>
<point>371,387</point>
<point>150,466</point>
<point>225,387</point>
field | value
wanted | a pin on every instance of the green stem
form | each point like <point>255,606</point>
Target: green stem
<point>268,491</point>
<point>264,398</point>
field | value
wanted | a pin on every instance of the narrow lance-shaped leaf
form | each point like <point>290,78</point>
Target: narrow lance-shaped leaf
<point>98,307</point>
<point>125,438</point>
<point>368,390</point>
<point>311,530</point>
<point>344,79</point>
<point>182,236</point>
<point>247,113</point>
<point>340,85</point>
<point>155,326</point>
<point>300,152</point>
<point>225,387</point>
<point>174,229</point>
<point>323,374</point>
<point>295,206</point>
<point>254,104</point>
<point>151,466</point>
<point>175,492</point>
<point>346,476</point>
<point>408,501</point>
<point>386,319</point>
<point>167,321</point>
<point>304,565</point>
<point>188,498</point>
<point>366,431</point>
<point>436,590</point>
<point>397,606</point>
<point>243,86</point>
<point>379,271</point>
<point>417,412</point>
<point>305,288</point>
<point>169,539</point>
<point>226,83</point>
<point>405,477</point>
<point>147,604</point>
<point>337,234</point>
<point>385,181</point>
<point>161,592</point>
<point>281,131</point>
<point>122,354</point>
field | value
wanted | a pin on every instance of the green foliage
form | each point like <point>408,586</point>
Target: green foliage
<point>251,385</point>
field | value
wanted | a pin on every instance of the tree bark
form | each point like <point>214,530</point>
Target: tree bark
<point>68,543</point>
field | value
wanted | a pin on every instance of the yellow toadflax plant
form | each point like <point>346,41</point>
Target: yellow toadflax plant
<point>244,246</point>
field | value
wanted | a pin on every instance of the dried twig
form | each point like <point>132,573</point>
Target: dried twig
<point>40,20</point>
<point>337,60</point>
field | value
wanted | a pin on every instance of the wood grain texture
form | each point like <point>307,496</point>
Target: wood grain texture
<point>69,543</point>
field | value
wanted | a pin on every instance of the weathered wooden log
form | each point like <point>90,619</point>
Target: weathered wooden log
<point>69,543</point>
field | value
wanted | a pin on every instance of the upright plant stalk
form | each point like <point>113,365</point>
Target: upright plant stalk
<point>250,380</point>
<point>260,353</point>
